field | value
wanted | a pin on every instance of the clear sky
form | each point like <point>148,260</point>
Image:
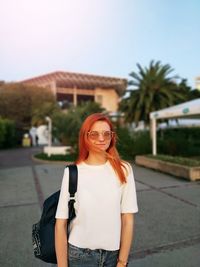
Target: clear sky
<point>105,37</point>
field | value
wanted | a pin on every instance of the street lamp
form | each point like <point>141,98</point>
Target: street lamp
<point>48,119</point>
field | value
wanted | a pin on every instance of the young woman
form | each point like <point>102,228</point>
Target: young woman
<point>101,233</point>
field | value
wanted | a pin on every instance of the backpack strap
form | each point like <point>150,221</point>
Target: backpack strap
<point>73,178</point>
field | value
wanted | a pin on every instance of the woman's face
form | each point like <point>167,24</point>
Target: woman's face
<point>100,135</point>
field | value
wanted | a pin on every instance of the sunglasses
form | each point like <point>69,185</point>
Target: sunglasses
<point>94,135</point>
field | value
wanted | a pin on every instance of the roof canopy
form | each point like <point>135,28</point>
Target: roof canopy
<point>186,109</point>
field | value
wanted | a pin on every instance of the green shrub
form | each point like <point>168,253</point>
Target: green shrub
<point>125,143</point>
<point>7,133</point>
<point>131,144</point>
<point>67,125</point>
<point>183,142</point>
<point>179,141</point>
<point>142,143</point>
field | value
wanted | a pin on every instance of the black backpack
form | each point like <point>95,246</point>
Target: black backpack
<point>43,232</point>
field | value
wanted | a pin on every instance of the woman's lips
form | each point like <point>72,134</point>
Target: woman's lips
<point>100,144</point>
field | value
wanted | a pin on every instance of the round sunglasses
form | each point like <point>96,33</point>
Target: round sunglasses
<point>94,135</point>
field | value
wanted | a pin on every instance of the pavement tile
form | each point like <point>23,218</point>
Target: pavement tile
<point>184,257</point>
<point>190,193</point>
<point>17,157</point>
<point>140,186</point>
<point>162,219</point>
<point>156,179</point>
<point>50,177</point>
<point>16,243</point>
<point>17,186</point>
<point>168,213</point>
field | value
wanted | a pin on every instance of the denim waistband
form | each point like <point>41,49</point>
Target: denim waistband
<point>99,250</point>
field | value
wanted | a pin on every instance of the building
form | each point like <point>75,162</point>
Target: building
<point>197,83</point>
<point>75,88</point>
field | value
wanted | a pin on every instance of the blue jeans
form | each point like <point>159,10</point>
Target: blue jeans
<point>83,257</point>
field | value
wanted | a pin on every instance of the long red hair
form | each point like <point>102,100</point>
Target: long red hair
<point>112,155</point>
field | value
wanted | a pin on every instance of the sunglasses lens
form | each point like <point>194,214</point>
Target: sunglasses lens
<point>107,135</point>
<point>94,135</point>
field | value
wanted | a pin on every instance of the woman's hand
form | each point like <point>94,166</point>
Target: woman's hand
<point>119,264</point>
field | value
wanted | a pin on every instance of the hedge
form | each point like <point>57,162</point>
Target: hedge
<point>183,142</point>
<point>7,133</point>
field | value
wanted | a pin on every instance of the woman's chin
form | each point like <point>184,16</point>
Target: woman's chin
<point>102,148</point>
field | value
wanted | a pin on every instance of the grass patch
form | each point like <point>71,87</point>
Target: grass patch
<point>196,158</point>
<point>178,160</point>
<point>44,156</point>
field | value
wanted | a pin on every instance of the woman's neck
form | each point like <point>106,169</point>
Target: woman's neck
<point>96,159</point>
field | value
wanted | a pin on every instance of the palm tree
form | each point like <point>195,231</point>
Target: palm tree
<point>188,91</point>
<point>154,89</point>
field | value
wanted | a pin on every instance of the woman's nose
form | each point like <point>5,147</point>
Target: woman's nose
<point>101,136</point>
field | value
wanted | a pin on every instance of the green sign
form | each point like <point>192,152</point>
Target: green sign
<point>156,115</point>
<point>185,110</point>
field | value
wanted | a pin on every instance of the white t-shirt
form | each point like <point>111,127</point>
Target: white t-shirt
<point>100,200</point>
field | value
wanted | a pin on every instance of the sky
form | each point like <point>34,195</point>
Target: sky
<point>101,37</point>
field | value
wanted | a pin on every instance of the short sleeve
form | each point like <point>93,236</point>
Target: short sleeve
<point>62,208</point>
<point>129,197</point>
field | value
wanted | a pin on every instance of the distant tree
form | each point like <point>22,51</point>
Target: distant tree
<point>66,126</point>
<point>8,134</point>
<point>24,104</point>
<point>190,93</point>
<point>1,82</point>
<point>154,89</point>
<point>39,113</point>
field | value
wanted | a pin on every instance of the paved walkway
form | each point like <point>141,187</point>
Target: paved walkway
<point>167,231</point>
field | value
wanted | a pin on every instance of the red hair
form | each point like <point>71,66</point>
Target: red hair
<point>111,153</point>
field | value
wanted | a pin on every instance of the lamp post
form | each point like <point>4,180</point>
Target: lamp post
<point>153,132</point>
<point>48,119</point>
<point>154,137</point>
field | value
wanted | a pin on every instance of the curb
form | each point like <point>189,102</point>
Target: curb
<point>51,161</point>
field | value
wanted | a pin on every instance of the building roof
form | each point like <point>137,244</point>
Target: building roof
<point>70,79</point>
